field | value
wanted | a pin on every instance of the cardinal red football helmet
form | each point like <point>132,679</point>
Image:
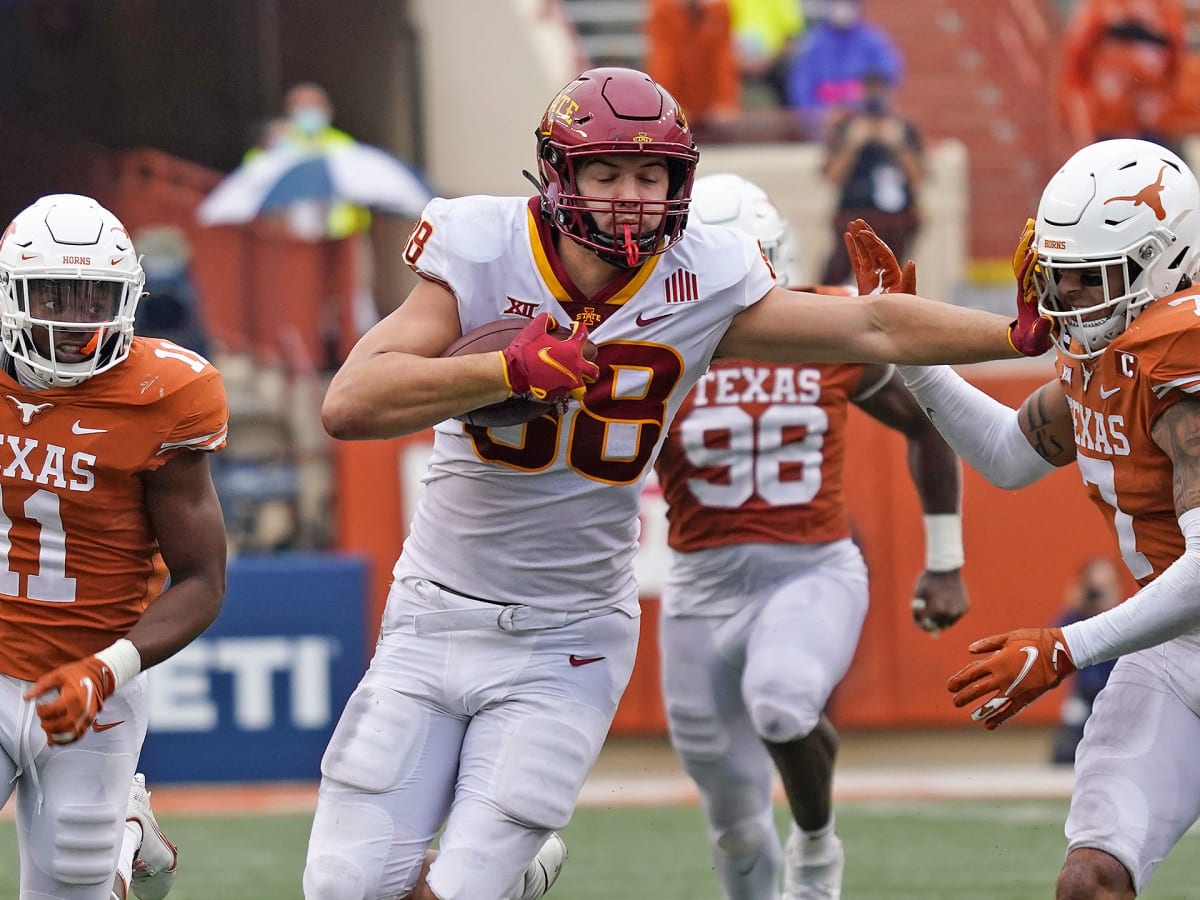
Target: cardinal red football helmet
<point>614,111</point>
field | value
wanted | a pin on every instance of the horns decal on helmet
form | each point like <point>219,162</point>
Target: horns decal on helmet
<point>1150,195</point>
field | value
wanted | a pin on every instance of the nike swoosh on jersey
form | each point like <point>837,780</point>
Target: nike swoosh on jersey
<point>78,428</point>
<point>583,660</point>
<point>643,320</point>
<point>1104,395</point>
<point>97,726</point>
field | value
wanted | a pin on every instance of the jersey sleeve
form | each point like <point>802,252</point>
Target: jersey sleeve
<point>1173,361</point>
<point>454,235</point>
<point>198,418</point>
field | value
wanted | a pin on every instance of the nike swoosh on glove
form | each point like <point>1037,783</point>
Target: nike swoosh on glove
<point>876,269</point>
<point>82,688</point>
<point>1023,665</point>
<point>1030,333</point>
<point>540,365</point>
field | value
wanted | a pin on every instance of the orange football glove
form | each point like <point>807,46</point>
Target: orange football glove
<point>82,688</point>
<point>540,365</point>
<point>875,266</point>
<point>1030,333</point>
<point>1023,665</point>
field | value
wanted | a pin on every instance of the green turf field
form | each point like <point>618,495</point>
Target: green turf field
<point>995,850</point>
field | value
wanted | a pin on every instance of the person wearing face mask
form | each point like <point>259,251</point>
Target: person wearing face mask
<point>306,127</point>
<point>827,74</point>
<point>875,161</point>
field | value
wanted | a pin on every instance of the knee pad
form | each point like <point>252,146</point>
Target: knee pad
<point>85,844</point>
<point>374,746</point>
<point>330,877</point>
<point>351,850</point>
<point>787,707</point>
<point>745,838</point>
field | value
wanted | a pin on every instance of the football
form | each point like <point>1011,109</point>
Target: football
<point>515,410</point>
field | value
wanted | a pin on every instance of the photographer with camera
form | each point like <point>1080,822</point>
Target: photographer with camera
<point>1097,588</point>
<point>875,160</point>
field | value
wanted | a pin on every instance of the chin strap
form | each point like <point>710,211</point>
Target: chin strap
<point>632,252</point>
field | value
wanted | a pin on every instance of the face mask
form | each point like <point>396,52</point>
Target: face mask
<point>310,120</point>
<point>841,15</point>
<point>874,106</point>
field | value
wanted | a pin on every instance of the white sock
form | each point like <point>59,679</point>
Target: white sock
<point>819,845</point>
<point>131,841</point>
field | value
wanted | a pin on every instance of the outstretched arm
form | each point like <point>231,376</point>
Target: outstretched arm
<point>786,326</point>
<point>1010,448</point>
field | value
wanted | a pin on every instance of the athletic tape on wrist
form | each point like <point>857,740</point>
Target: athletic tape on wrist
<point>943,542</point>
<point>123,659</point>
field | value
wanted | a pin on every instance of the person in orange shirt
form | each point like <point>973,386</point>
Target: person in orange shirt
<point>1121,61</point>
<point>1110,261</point>
<point>104,491</point>
<point>690,51</point>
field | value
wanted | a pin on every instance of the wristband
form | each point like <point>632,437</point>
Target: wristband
<point>122,659</point>
<point>943,542</point>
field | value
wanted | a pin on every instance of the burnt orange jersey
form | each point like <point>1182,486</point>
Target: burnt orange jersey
<point>1115,400</point>
<point>756,455</point>
<point>78,557</point>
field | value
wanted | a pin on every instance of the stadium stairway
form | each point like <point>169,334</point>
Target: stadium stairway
<point>983,73</point>
<point>610,31</point>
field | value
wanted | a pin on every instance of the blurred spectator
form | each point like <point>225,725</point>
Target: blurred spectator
<point>763,34</point>
<point>1097,588</point>
<point>307,128</point>
<point>875,160</point>
<point>836,53</point>
<point>1121,61</point>
<point>689,51</point>
<point>170,308</point>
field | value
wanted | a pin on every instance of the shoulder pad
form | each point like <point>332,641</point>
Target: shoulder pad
<point>474,229</point>
<point>725,255</point>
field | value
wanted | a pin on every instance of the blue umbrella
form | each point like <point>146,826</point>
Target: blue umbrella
<point>352,173</point>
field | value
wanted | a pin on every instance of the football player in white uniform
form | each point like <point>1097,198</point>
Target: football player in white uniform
<point>511,627</point>
<point>1111,258</point>
<point>766,592</point>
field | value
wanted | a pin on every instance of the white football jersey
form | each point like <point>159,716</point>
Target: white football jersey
<point>546,513</point>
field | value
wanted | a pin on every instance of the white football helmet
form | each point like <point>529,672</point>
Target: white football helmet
<point>733,201</point>
<point>1126,211</point>
<point>70,282</point>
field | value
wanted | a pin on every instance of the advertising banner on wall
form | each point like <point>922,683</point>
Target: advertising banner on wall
<point>256,697</point>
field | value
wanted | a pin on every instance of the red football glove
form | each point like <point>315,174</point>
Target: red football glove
<point>875,266</point>
<point>82,688</point>
<point>541,365</point>
<point>1024,665</point>
<point>1030,333</point>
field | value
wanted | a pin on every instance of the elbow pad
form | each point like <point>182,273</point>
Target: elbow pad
<point>983,431</point>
